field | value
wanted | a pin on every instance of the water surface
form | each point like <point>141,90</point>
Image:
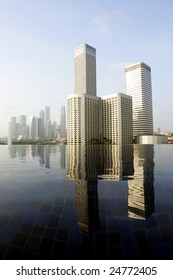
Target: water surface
<point>86,202</point>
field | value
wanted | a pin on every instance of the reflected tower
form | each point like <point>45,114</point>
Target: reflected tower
<point>141,189</point>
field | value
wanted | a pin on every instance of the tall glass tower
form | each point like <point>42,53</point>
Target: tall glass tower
<point>138,85</point>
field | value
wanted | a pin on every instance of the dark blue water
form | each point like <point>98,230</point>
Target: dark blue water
<point>86,202</point>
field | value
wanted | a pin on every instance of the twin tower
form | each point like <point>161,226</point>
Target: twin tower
<point>115,118</point>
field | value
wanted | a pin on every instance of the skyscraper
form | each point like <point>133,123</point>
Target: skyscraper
<point>116,124</point>
<point>138,85</point>
<point>85,70</point>
<point>90,118</point>
<point>46,121</point>
<point>62,122</point>
<point>83,105</point>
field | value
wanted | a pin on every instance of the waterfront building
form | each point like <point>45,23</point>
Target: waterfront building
<point>33,130</point>
<point>138,86</point>
<point>92,119</point>
<point>46,121</point>
<point>85,70</point>
<point>117,125</point>
<point>23,131</point>
<point>62,122</point>
<point>83,106</point>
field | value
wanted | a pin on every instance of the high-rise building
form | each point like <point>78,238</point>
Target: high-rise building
<point>82,118</point>
<point>23,131</point>
<point>90,118</point>
<point>62,122</point>
<point>33,131</point>
<point>83,106</point>
<point>117,125</point>
<point>41,124</point>
<point>13,128</point>
<point>46,121</point>
<point>138,85</point>
<point>85,70</point>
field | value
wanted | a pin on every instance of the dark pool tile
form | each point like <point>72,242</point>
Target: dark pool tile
<point>141,236</point>
<point>145,252</point>
<point>160,208</point>
<point>62,234</point>
<point>167,233</point>
<point>113,223</point>
<point>42,219</point>
<point>126,224</point>
<point>114,239</point>
<point>3,249</point>
<point>151,221</point>
<point>13,253</point>
<point>20,239</point>
<point>73,252</point>
<point>53,221</point>
<point>87,253</point>
<point>163,219</point>
<point>4,218</point>
<point>30,216</point>
<point>101,253</point>
<point>57,210</point>
<point>14,224</point>
<point>154,235</point>
<point>6,236</point>
<point>116,253</point>
<point>171,215</point>
<point>88,239</point>
<point>28,255</point>
<point>50,233</point>
<point>38,231</point>
<point>162,251</point>
<point>130,253</point>
<point>26,228</point>
<point>101,238</point>
<point>33,243</point>
<point>139,223</point>
<point>128,238</point>
<point>46,246</point>
<point>59,250</point>
<point>45,207</point>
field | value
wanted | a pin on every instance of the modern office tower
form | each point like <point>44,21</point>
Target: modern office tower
<point>46,121</point>
<point>41,116</point>
<point>138,85</point>
<point>141,188</point>
<point>83,106</point>
<point>62,122</point>
<point>22,126</point>
<point>33,132</point>
<point>82,118</point>
<point>117,125</point>
<point>13,128</point>
<point>54,132</point>
<point>85,70</point>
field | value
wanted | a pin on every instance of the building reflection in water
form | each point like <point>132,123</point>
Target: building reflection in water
<point>141,189</point>
<point>82,166</point>
<point>42,152</point>
<point>88,163</point>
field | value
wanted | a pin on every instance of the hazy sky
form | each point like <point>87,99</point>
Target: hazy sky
<point>37,42</point>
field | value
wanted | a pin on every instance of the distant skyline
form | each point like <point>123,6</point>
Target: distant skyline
<point>37,42</point>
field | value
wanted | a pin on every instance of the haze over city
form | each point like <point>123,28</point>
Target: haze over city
<point>37,52</point>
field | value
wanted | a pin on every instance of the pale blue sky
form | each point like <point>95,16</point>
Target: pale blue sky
<point>37,41</point>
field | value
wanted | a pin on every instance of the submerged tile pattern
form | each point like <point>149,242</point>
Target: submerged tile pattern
<point>43,215</point>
